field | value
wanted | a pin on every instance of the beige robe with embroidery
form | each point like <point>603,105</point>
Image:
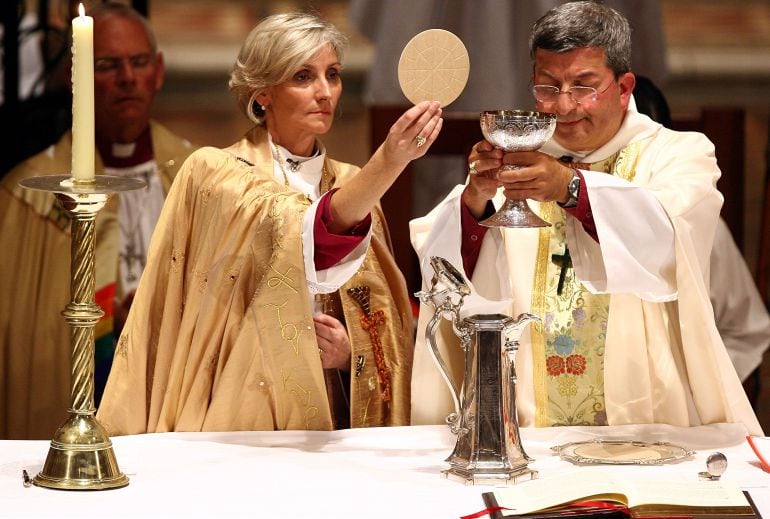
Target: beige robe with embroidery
<point>664,360</point>
<point>35,351</point>
<point>220,335</point>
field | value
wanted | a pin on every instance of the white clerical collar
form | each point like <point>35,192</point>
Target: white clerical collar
<point>123,150</point>
<point>635,127</point>
<point>302,173</point>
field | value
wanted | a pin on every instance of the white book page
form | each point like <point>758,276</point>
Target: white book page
<point>546,492</point>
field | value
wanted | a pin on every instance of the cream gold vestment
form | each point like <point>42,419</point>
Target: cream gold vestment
<point>664,360</point>
<point>220,335</point>
<point>35,351</point>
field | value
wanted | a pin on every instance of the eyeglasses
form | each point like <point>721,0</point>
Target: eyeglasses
<point>111,65</point>
<point>579,94</point>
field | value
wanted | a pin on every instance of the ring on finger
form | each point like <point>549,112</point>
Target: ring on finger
<point>472,167</point>
<point>420,140</point>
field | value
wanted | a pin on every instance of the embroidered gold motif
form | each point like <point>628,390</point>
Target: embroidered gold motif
<point>232,276</point>
<point>281,279</point>
<point>205,194</point>
<point>201,280</point>
<point>177,260</point>
<point>369,322</point>
<point>302,397</point>
<point>289,331</point>
<point>122,349</point>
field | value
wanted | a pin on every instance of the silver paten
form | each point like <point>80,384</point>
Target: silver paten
<point>621,452</point>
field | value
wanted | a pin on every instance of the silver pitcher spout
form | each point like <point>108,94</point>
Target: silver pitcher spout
<point>488,448</point>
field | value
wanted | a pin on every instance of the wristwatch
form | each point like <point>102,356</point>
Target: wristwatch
<point>574,189</point>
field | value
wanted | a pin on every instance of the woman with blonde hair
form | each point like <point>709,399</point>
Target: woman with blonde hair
<point>271,299</point>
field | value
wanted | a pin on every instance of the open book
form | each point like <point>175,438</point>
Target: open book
<point>599,493</point>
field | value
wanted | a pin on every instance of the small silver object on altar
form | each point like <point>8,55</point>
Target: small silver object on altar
<point>716,464</point>
<point>488,448</point>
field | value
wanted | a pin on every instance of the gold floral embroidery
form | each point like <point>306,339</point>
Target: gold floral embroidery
<point>568,349</point>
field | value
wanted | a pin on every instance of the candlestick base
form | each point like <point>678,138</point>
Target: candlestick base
<point>81,455</point>
<point>81,458</point>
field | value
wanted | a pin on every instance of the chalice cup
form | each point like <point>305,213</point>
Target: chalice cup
<point>516,130</point>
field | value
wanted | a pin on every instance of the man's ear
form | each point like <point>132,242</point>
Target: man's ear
<point>626,82</point>
<point>160,71</point>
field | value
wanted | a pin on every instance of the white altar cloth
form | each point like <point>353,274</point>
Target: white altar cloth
<point>373,473</point>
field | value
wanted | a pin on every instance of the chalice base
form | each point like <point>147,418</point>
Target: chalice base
<point>81,458</point>
<point>516,214</point>
<point>509,477</point>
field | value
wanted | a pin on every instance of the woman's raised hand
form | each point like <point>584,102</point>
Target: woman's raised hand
<point>413,133</point>
<point>409,138</point>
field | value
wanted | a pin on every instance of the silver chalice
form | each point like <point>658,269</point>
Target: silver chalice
<point>516,130</point>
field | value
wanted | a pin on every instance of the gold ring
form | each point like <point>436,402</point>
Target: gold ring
<point>472,167</point>
<point>420,141</point>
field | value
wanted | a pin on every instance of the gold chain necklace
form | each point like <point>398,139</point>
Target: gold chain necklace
<point>325,180</point>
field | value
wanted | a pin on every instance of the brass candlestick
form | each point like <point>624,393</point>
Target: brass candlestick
<point>81,455</point>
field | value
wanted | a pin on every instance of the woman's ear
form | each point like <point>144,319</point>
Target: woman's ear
<point>263,98</point>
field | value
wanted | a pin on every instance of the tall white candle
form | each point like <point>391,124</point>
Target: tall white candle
<point>83,97</point>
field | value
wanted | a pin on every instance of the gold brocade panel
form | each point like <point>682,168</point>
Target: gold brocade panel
<point>568,346</point>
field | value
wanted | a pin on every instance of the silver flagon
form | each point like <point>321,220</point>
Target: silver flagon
<point>488,448</point>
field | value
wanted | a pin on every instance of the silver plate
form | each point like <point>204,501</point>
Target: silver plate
<point>621,452</point>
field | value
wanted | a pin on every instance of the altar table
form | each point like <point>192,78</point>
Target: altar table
<point>360,473</point>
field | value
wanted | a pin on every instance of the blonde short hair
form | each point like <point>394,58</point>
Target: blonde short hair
<point>274,50</point>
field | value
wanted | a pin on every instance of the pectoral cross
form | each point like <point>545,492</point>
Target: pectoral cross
<point>129,257</point>
<point>564,261</point>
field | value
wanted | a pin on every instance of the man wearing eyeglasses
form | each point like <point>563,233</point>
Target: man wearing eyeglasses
<point>35,232</point>
<point>620,277</point>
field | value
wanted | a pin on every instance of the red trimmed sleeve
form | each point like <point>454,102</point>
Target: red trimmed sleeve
<point>331,248</point>
<point>582,211</point>
<point>472,236</point>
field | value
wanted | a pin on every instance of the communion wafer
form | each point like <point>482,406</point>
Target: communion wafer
<point>434,66</point>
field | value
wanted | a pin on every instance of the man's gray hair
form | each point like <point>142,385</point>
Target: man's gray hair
<point>111,8</point>
<point>577,25</point>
